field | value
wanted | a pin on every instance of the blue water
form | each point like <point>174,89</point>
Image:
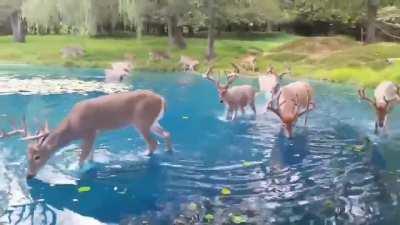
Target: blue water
<point>315,178</point>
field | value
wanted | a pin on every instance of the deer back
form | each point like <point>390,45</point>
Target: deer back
<point>116,110</point>
<point>267,83</point>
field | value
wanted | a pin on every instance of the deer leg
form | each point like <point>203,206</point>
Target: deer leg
<point>158,130</point>
<point>151,143</point>
<point>385,125</point>
<point>87,146</point>
<point>242,110</point>
<point>376,127</point>
<point>234,114</point>
<point>229,114</point>
<point>253,107</point>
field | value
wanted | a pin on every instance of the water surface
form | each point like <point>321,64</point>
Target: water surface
<point>315,178</point>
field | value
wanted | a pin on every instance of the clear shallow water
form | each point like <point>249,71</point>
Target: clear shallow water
<point>313,179</point>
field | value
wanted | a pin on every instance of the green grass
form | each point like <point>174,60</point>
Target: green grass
<point>336,59</point>
<point>101,51</point>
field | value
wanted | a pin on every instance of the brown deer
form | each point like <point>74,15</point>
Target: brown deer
<point>157,56</point>
<point>387,95</point>
<point>188,63</point>
<point>291,102</point>
<point>118,72</point>
<point>141,109</point>
<point>249,62</point>
<point>236,97</point>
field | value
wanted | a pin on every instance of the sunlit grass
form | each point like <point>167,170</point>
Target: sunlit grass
<point>101,51</point>
<point>337,59</point>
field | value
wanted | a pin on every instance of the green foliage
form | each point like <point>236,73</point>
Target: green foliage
<point>41,12</point>
<point>7,7</point>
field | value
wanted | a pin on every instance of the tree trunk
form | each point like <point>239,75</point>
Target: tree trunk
<point>175,33</point>
<point>211,35</point>
<point>269,26</point>
<point>18,26</point>
<point>371,20</point>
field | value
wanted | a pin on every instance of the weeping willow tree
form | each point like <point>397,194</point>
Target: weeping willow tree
<point>74,16</point>
<point>172,12</point>
<point>10,12</point>
<point>41,14</point>
<point>133,14</point>
<point>90,17</point>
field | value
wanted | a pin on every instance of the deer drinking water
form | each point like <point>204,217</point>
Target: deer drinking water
<point>141,109</point>
<point>387,95</point>
<point>236,97</point>
<point>289,102</point>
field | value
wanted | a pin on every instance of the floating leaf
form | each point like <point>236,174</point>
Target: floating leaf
<point>239,219</point>
<point>226,191</point>
<point>358,148</point>
<point>193,206</point>
<point>247,164</point>
<point>84,189</point>
<point>209,217</point>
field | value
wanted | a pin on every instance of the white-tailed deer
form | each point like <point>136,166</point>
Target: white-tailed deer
<point>387,95</point>
<point>141,109</point>
<point>249,62</point>
<point>157,56</point>
<point>118,72</point>
<point>291,102</point>
<point>188,64</point>
<point>235,98</point>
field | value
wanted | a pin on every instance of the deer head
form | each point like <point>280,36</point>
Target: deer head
<point>381,108</point>
<point>37,153</point>
<point>39,150</point>
<point>271,81</point>
<point>223,89</point>
<point>288,111</point>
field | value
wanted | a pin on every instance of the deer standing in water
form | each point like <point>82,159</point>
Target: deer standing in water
<point>118,72</point>
<point>235,98</point>
<point>387,95</point>
<point>289,102</point>
<point>141,109</point>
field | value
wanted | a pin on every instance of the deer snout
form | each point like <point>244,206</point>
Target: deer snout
<point>288,127</point>
<point>30,176</point>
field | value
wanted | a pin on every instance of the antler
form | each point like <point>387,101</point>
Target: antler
<point>363,96</point>
<point>23,131</point>
<point>231,78</point>
<point>270,69</point>
<point>209,77</point>
<point>235,68</point>
<point>276,110</point>
<point>287,72</point>
<point>44,131</point>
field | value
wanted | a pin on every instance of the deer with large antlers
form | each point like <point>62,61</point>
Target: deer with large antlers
<point>291,102</point>
<point>387,95</point>
<point>141,109</point>
<point>235,98</point>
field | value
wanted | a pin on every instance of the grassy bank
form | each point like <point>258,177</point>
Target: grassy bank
<point>101,51</point>
<point>337,59</point>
